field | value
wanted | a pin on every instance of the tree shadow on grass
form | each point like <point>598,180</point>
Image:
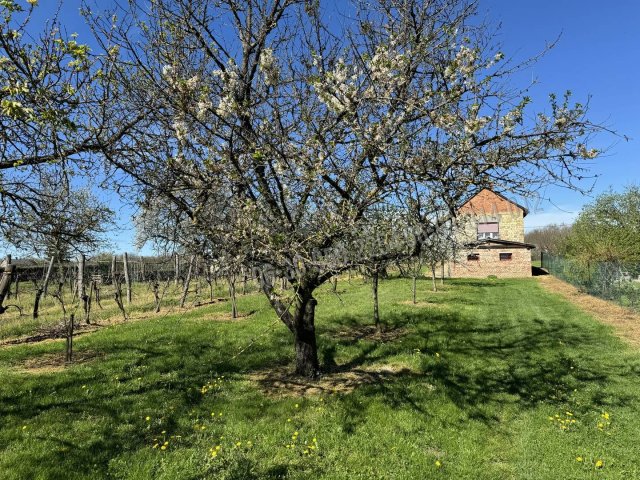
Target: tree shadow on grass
<point>481,367</point>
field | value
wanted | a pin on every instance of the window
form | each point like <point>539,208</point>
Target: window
<point>488,230</point>
<point>472,257</point>
<point>505,256</point>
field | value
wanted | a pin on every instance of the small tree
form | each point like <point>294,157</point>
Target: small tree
<point>68,223</point>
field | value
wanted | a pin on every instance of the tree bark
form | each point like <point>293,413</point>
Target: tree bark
<point>232,295</point>
<point>127,278</point>
<point>433,277</point>
<point>176,267</point>
<point>301,324</point>
<point>80,287</point>
<point>69,350</point>
<point>304,332</point>
<point>413,288</point>
<point>118,298</point>
<point>187,281</point>
<point>374,291</point>
<point>42,290</point>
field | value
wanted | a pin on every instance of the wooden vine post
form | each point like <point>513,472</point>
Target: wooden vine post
<point>127,277</point>
<point>5,282</point>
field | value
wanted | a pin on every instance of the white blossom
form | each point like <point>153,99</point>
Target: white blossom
<point>269,67</point>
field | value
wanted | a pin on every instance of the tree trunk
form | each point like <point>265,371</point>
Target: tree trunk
<point>87,303</point>
<point>176,268</point>
<point>187,281</point>
<point>81,289</point>
<point>42,290</point>
<point>118,298</point>
<point>232,296</point>
<point>334,284</point>
<point>433,277</point>
<point>301,324</point>
<point>304,332</point>
<point>69,345</point>
<point>374,291</point>
<point>156,296</point>
<point>442,274</point>
<point>413,288</point>
<point>127,278</point>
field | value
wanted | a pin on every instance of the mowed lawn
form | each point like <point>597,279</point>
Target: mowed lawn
<point>487,379</point>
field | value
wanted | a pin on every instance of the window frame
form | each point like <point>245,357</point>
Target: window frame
<point>473,257</point>
<point>508,256</point>
<point>488,235</point>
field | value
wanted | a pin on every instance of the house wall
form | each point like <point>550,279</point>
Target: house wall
<point>489,263</point>
<point>486,206</point>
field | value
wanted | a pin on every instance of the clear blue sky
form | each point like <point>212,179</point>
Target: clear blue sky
<point>597,56</point>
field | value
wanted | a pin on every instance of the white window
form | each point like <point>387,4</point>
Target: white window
<point>488,230</point>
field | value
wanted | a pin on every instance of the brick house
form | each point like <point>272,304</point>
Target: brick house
<point>491,238</point>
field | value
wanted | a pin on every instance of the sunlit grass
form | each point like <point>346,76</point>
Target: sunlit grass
<point>486,374</point>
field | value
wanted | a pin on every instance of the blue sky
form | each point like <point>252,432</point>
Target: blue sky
<point>597,57</point>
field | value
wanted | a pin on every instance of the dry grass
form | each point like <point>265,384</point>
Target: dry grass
<point>625,321</point>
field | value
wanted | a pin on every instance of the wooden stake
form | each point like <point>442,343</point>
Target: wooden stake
<point>127,279</point>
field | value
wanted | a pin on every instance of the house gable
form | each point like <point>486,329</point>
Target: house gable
<point>489,203</point>
<point>491,215</point>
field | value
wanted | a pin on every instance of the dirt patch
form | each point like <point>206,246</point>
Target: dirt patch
<point>626,322</point>
<point>50,333</point>
<point>55,362</point>
<point>425,304</point>
<point>226,316</point>
<point>369,332</point>
<point>283,382</point>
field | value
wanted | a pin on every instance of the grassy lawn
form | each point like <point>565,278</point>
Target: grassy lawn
<point>483,380</point>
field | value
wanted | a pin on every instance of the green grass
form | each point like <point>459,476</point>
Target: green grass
<point>487,364</point>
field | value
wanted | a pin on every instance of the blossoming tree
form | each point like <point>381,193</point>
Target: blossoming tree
<point>276,131</point>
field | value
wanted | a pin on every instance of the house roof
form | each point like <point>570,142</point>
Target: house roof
<point>525,211</point>
<point>490,242</point>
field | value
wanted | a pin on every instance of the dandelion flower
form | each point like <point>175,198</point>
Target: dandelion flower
<point>599,464</point>
<point>148,419</point>
<point>438,463</point>
<point>579,459</point>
